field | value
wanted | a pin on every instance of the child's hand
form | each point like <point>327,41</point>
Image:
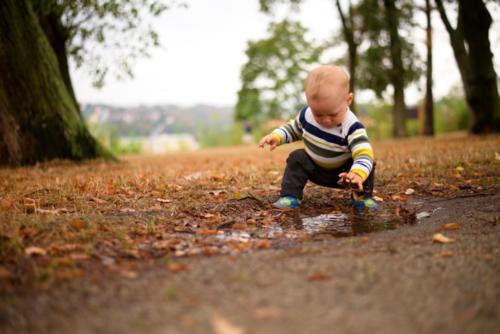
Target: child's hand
<point>270,140</point>
<point>352,179</point>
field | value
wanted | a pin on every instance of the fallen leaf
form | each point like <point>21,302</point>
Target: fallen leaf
<point>459,169</point>
<point>262,244</point>
<point>267,312</point>
<point>239,226</point>
<point>127,210</point>
<point>193,176</point>
<point>318,276</point>
<point>5,273</point>
<point>378,199</point>
<point>29,208</point>
<point>441,239</point>
<point>206,232</point>
<point>128,273</point>
<point>409,191</point>
<point>223,326</point>
<point>97,200</point>
<point>79,256</point>
<point>446,253</point>
<point>163,200</point>
<point>6,204</point>
<point>217,192</point>
<point>210,250</point>
<point>497,156</point>
<point>451,226</point>
<point>207,215</point>
<point>162,244</point>
<point>78,224</point>
<point>177,267</point>
<point>33,250</point>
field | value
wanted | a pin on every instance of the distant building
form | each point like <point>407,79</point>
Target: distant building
<point>164,143</point>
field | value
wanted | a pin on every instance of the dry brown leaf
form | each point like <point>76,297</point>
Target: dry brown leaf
<point>223,326</point>
<point>78,224</point>
<point>5,273</point>
<point>267,312</point>
<point>162,244</point>
<point>6,204</point>
<point>206,232</point>
<point>164,200</point>
<point>239,226</point>
<point>79,256</point>
<point>441,239</point>
<point>451,226</point>
<point>177,267</point>
<point>210,250</point>
<point>446,253</point>
<point>97,200</point>
<point>262,244</point>
<point>409,191</point>
<point>318,276</point>
<point>29,208</point>
<point>33,250</point>
<point>127,210</point>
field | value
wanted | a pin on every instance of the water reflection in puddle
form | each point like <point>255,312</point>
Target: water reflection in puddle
<point>345,225</point>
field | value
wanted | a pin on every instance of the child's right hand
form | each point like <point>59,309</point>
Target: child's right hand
<point>270,140</point>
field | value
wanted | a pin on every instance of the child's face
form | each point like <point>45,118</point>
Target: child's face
<point>330,111</point>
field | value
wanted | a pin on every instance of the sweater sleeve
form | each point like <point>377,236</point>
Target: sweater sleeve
<point>290,132</point>
<point>361,149</point>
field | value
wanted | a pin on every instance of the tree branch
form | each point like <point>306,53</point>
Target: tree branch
<point>444,17</point>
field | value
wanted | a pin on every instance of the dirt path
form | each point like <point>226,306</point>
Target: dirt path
<point>394,281</point>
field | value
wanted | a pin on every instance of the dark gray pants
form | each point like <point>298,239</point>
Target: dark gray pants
<point>300,168</point>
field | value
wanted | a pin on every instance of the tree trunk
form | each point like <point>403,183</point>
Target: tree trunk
<point>352,46</point>
<point>475,63</point>
<point>429,99</point>
<point>57,37</point>
<point>482,96</point>
<point>397,72</point>
<point>38,118</point>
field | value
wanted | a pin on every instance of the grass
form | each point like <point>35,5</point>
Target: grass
<point>122,210</point>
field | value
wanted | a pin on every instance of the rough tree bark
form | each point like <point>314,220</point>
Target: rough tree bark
<point>57,36</point>
<point>396,74</point>
<point>352,46</point>
<point>429,98</point>
<point>472,50</point>
<point>38,118</point>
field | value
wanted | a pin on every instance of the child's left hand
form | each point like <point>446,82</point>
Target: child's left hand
<point>352,179</point>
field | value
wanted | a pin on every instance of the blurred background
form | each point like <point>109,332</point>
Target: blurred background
<point>196,74</point>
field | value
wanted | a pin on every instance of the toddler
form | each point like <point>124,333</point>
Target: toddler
<point>337,150</point>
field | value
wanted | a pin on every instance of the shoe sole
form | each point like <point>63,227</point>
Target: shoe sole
<point>283,208</point>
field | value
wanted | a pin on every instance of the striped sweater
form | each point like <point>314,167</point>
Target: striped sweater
<point>333,147</point>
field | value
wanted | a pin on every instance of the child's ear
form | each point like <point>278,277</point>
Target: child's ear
<point>350,97</point>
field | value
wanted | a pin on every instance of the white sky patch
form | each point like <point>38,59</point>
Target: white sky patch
<point>203,50</point>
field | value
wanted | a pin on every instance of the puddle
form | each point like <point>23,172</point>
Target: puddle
<point>345,225</point>
<point>275,231</point>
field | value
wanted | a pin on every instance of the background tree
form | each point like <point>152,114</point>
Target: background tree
<point>429,98</point>
<point>38,118</point>
<point>472,50</point>
<point>351,33</point>
<point>273,77</point>
<point>386,58</point>
<point>103,36</point>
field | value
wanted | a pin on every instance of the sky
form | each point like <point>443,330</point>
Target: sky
<point>203,50</point>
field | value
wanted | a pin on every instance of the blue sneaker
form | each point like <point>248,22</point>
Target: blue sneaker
<point>287,203</point>
<point>367,202</point>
